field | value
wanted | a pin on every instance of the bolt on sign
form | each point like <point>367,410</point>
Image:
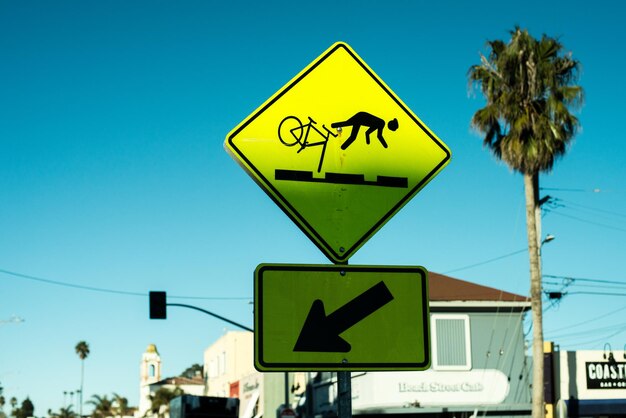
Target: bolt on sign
<point>322,317</point>
<point>338,151</point>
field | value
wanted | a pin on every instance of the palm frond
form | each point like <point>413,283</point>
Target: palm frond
<point>529,86</point>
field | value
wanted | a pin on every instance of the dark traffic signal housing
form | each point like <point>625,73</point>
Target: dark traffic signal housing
<point>158,308</point>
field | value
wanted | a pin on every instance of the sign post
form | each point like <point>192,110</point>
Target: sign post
<point>344,394</point>
<point>340,154</point>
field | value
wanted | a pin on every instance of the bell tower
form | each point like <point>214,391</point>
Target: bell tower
<point>150,372</point>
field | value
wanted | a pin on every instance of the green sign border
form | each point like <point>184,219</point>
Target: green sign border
<point>264,366</point>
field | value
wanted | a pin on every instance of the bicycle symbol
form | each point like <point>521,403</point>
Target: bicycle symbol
<point>292,131</point>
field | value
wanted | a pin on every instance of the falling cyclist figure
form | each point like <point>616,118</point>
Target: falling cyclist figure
<point>374,123</point>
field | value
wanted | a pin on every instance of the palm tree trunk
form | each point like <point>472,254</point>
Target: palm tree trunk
<point>82,380</point>
<point>532,206</point>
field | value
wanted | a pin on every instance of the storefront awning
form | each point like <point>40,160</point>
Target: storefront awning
<point>578,407</point>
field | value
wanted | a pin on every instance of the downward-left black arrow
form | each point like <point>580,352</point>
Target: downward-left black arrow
<point>320,333</point>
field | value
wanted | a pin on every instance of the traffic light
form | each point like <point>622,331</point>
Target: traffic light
<point>158,308</point>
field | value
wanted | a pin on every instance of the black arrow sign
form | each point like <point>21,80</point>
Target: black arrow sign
<point>320,333</point>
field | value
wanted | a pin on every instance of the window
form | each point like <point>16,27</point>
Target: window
<point>451,342</point>
<point>151,370</point>
<point>222,363</point>
<point>213,368</point>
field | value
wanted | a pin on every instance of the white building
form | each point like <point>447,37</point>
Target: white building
<point>229,367</point>
<point>150,372</point>
<point>227,361</point>
<point>151,381</point>
<point>590,383</point>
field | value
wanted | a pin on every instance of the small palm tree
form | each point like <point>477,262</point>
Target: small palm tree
<point>120,406</point>
<point>82,349</point>
<point>103,406</point>
<point>529,86</point>
<point>26,410</point>
<point>13,402</point>
<point>160,400</point>
<point>2,402</point>
<point>63,413</point>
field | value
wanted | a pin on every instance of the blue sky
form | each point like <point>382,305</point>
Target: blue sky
<point>113,173</point>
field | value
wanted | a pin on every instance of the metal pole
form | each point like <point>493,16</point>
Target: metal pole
<point>344,394</point>
<point>287,390</point>
<point>344,387</point>
<point>212,314</point>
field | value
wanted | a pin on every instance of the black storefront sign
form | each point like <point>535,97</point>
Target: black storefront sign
<point>605,375</point>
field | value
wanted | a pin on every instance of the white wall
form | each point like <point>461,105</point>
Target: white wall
<point>586,374</point>
<point>228,360</point>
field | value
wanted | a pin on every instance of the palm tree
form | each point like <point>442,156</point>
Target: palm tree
<point>63,413</point>
<point>162,398</point>
<point>82,349</point>
<point>26,410</point>
<point>120,405</point>
<point>529,87</point>
<point>103,406</point>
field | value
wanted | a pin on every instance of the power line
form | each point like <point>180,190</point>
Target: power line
<point>607,217</point>
<point>588,332</point>
<point>555,205</point>
<point>582,279</point>
<point>567,202</point>
<point>589,222</point>
<point>601,339</point>
<point>597,293</point>
<point>105,290</point>
<point>593,319</point>
<point>486,261</point>
<point>65,284</point>
<point>558,189</point>
<point>593,286</point>
<point>565,283</point>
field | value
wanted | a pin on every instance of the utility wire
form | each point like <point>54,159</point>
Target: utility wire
<point>596,190</point>
<point>589,222</point>
<point>593,319</point>
<point>593,286</point>
<point>601,339</point>
<point>554,205</point>
<point>582,279</point>
<point>589,286</point>
<point>104,290</point>
<point>608,212</point>
<point>75,286</point>
<point>597,293</point>
<point>486,261</point>
<point>587,214</point>
<point>588,332</point>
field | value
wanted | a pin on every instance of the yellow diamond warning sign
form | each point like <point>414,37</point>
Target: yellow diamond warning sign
<point>338,151</point>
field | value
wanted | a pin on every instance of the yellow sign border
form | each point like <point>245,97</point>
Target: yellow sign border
<point>284,204</point>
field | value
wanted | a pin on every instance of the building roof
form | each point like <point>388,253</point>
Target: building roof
<point>447,289</point>
<point>179,381</point>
